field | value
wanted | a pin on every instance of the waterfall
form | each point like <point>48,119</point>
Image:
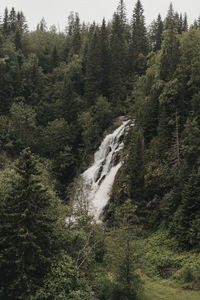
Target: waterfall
<point>100,176</point>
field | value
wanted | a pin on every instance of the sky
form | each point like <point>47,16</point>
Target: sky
<point>56,11</point>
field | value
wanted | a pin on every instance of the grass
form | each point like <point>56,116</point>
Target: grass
<point>163,290</point>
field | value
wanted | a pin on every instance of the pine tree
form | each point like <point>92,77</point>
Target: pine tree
<point>121,11</point>
<point>73,40</point>
<point>76,38</point>
<point>6,22</point>
<point>21,22</point>
<point>185,23</point>
<point>139,43</point>
<point>13,19</point>
<point>170,21</point>
<point>180,24</point>
<point>169,54</point>
<point>27,231</point>
<point>118,59</point>
<point>93,66</point>
<point>156,34</point>
<point>105,59</point>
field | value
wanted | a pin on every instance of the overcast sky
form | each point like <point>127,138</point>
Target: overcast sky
<point>57,11</point>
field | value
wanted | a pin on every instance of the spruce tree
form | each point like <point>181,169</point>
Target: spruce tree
<point>13,19</point>
<point>118,50</point>
<point>170,21</point>
<point>93,66</point>
<point>105,59</point>
<point>185,23</point>
<point>156,33</point>
<point>180,24</point>
<point>6,22</point>
<point>169,54</point>
<point>27,231</point>
<point>121,11</point>
<point>139,43</point>
<point>21,22</point>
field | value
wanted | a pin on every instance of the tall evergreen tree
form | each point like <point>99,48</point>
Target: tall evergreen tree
<point>6,22</point>
<point>169,54</point>
<point>170,21</point>
<point>13,19</point>
<point>105,59</point>
<point>156,33</point>
<point>185,23</point>
<point>121,11</point>
<point>27,231</point>
<point>118,48</point>
<point>73,39</point>
<point>93,66</point>
<point>139,43</point>
<point>21,22</point>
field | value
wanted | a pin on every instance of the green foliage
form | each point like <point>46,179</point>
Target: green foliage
<point>121,260</point>
<point>28,222</point>
<point>159,251</point>
<point>64,281</point>
<point>58,95</point>
<point>23,123</point>
<point>139,44</point>
<point>4,130</point>
<point>189,275</point>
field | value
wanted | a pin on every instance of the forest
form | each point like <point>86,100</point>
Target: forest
<point>60,94</point>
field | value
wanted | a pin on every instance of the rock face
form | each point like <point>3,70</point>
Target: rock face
<point>100,176</point>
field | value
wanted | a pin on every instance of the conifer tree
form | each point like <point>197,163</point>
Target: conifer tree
<point>121,11</point>
<point>170,21</point>
<point>73,40</point>
<point>119,51</point>
<point>93,66</point>
<point>21,22</point>
<point>169,54</point>
<point>76,39</point>
<point>13,19</point>
<point>185,23</point>
<point>156,34</point>
<point>105,59</point>
<point>6,22</point>
<point>27,231</point>
<point>180,24</point>
<point>139,43</point>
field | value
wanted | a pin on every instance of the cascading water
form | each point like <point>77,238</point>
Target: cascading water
<point>100,176</point>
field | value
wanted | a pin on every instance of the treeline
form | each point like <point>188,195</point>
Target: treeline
<point>161,170</point>
<point>59,92</point>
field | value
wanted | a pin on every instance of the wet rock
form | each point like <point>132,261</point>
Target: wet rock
<point>101,180</point>
<point>115,159</point>
<point>108,151</point>
<point>98,175</point>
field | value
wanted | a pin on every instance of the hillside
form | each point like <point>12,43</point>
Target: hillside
<point>60,95</point>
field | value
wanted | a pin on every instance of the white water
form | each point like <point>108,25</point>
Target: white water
<point>100,176</point>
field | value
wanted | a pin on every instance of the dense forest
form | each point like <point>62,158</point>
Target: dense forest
<point>60,94</point>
